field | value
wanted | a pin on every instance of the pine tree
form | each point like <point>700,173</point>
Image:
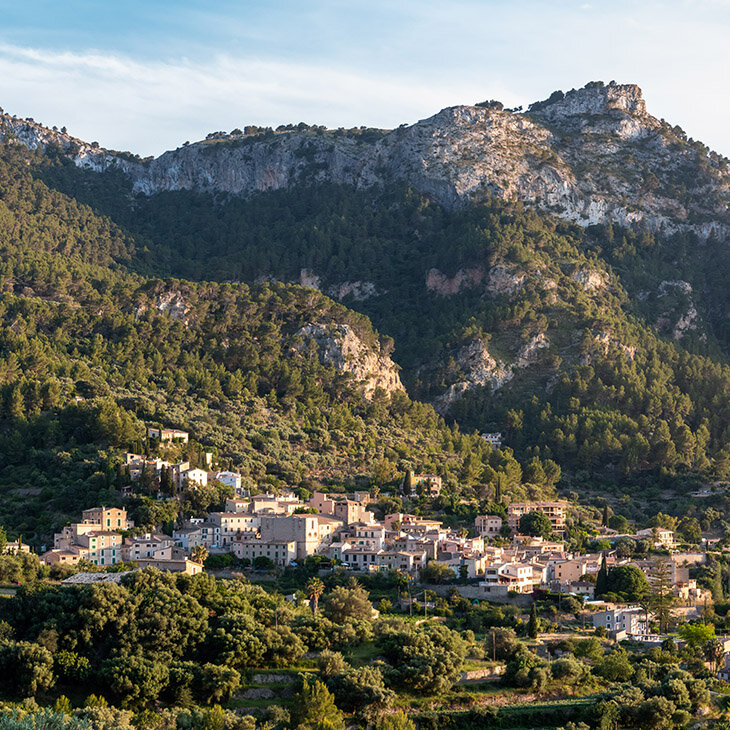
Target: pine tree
<point>317,708</point>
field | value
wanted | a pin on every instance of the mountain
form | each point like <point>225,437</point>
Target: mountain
<point>557,275</point>
<point>592,155</point>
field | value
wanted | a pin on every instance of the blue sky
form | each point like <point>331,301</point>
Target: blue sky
<point>146,76</point>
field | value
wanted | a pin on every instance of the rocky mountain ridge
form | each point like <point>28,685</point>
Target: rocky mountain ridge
<point>593,155</point>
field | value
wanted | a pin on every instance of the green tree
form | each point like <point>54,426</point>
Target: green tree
<point>532,624</point>
<point>602,577</point>
<point>427,658</point>
<point>696,634</point>
<point>628,581</point>
<point>537,524</point>
<point>619,523</point>
<point>348,603</point>
<point>436,572</point>
<point>135,680</point>
<point>661,596</point>
<point>615,667</point>
<point>316,708</point>
<point>396,721</point>
<point>27,667</point>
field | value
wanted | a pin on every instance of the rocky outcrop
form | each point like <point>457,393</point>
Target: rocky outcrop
<point>338,345</point>
<point>591,155</point>
<point>603,342</point>
<point>447,286</point>
<point>528,353</point>
<point>682,318</point>
<point>358,290</point>
<point>478,368</point>
<point>590,279</point>
<point>169,301</point>
<point>173,303</point>
<point>503,281</point>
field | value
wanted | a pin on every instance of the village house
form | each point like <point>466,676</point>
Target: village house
<point>494,439</point>
<point>429,483</point>
<point>197,532</point>
<point>312,533</point>
<point>168,434</point>
<point>347,510</point>
<point>501,578</point>
<point>171,558</point>
<point>232,525</point>
<point>96,538</point>
<point>555,512</point>
<point>249,547</point>
<point>144,546</point>
<point>660,536</point>
<point>629,619</point>
<point>13,547</point>
<point>407,561</point>
<point>360,534</point>
<point>138,464</point>
<point>488,525</point>
<point>270,504</point>
<point>230,479</point>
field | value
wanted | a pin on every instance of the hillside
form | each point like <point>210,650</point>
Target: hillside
<point>599,348</point>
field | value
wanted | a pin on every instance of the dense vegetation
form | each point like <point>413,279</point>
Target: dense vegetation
<point>164,652</point>
<point>89,352</point>
<point>609,396</point>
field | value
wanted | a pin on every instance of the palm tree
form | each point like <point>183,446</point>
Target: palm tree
<point>315,588</point>
<point>199,554</point>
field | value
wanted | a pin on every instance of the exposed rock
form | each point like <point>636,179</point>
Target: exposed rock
<point>605,340</point>
<point>448,286</point>
<point>339,346</point>
<point>358,290</point>
<point>502,281</point>
<point>257,693</point>
<point>479,368</point>
<point>271,679</point>
<point>590,101</point>
<point>590,279</point>
<point>685,323</point>
<point>173,303</point>
<point>309,278</point>
<point>684,286</point>
<point>689,320</point>
<point>580,155</point>
<point>528,353</point>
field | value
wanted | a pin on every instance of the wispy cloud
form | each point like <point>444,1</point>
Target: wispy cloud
<point>148,107</point>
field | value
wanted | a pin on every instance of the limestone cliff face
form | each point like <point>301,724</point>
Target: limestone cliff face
<point>591,155</point>
<point>338,345</point>
<point>477,368</point>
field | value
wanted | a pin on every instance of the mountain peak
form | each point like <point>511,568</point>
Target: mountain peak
<point>594,98</point>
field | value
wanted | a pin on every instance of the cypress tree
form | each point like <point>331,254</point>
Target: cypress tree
<point>532,623</point>
<point>602,577</point>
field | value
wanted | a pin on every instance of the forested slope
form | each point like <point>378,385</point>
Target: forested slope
<point>601,349</point>
<point>89,352</point>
